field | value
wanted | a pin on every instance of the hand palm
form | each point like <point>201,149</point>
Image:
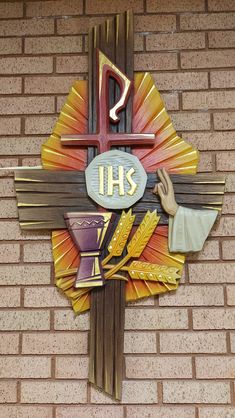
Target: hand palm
<point>166,192</point>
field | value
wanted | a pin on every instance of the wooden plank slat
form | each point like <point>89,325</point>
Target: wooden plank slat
<point>51,188</point>
<point>58,199</point>
<point>185,198</point>
<point>188,179</point>
<point>109,331</point>
<point>99,361</point>
<point>48,176</point>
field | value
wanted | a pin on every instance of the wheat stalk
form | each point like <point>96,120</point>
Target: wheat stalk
<point>139,240</point>
<point>146,271</point>
<point>143,234</point>
<point>120,236</point>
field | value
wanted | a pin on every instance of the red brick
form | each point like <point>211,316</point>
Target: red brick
<point>7,165</point>
<point>139,42</point>
<point>216,411</point>
<point>25,27</point>
<point>47,85</point>
<point>72,64</point>
<point>207,21</point>
<point>89,411</point>
<point>26,65</point>
<point>9,126</point>
<point>224,121</point>
<point>26,145</point>
<point>72,367</point>
<point>53,45</point>
<point>205,141</point>
<point>216,367</point>
<point>181,81</point>
<point>210,251</point>
<point>209,100</point>
<point>101,7</point>
<point>10,230</point>
<point>38,252</point>
<point>161,411</point>
<point>20,320</point>
<point>193,296</point>
<point>193,342</point>
<point>229,204</point>
<point>158,368</point>
<point>8,9</point>
<point>207,59</point>
<point>55,343</point>
<point>67,320</point>
<point>159,61</point>
<point>54,392</point>
<point>211,273</point>
<point>9,297</point>
<point>53,8</point>
<point>216,318</point>
<point>7,187</point>
<point>133,392</point>
<point>60,102</point>
<point>175,6</point>
<point>231,295</point>
<point>22,411</point>
<point>188,121</point>
<point>232,336</point>
<point>15,367</point>
<point>226,227</point>
<point>230,182</point>
<point>196,392</point>
<point>10,85</point>
<point>24,274</point>
<point>171,100</point>
<point>222,39</point>
<point>10,46</point>
<point>31,162</point>
<point>8,392</point>
<point>205,163</point>
<point>156,319</point>
<point>218,5</point>
<point>148,23</point>
<point>175,41</point>
<point>9,253</point>
<point>220,79</point>
<point>9,343</point>
<point>37,125</point>
<point>140,342</point>
<point>26,105</point>
<point>228,250</point>
<point>143,302</point>
<point>78,25</point>
<point>8,208</point>
<point>46,297</point>
<point>225,161</point>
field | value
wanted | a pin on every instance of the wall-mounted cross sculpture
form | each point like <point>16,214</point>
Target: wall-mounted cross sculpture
<point>44,196</point>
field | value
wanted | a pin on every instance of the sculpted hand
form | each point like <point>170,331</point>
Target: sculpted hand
<point>166,192</point>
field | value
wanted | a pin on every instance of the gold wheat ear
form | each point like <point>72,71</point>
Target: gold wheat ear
<point>120,236</point>
<point>139,240</point>
<point>140,270</point>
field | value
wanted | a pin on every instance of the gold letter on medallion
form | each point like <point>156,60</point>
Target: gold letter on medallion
<point>131,181</point>
<point>119,182</point>
<point>101,179</point>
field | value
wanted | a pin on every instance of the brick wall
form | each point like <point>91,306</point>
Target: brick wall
<point>179,347</point>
